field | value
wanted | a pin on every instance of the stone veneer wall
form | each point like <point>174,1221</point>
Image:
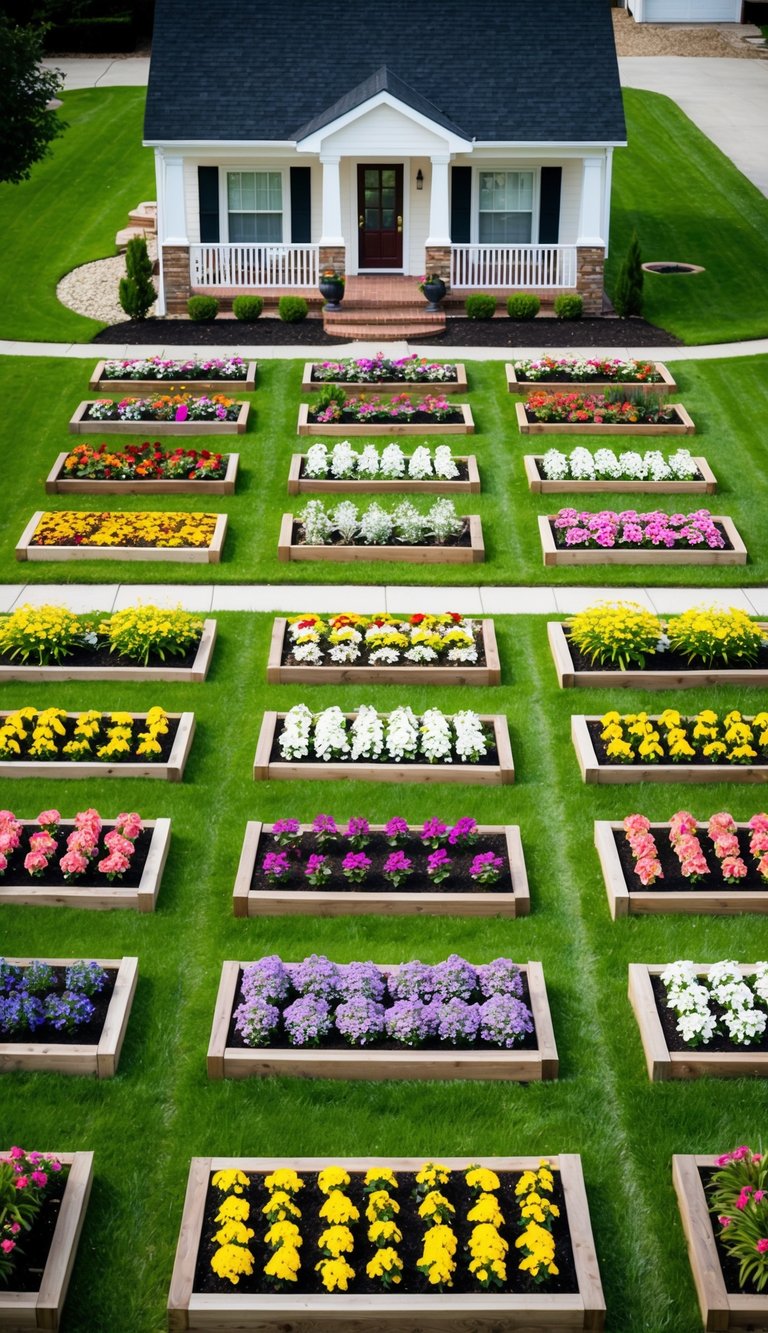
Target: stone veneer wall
<point>437,259</point>
<point>590,277</point>
<point>331,256</point>
<point>175,262</point>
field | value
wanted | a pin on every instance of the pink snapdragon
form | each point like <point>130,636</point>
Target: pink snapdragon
<point>130,825</point>
<point>643,847</point>
<point>43,842</point>
<point>35,863</point>
<point>114,865</point>
<point>722,830</point>
<point>49,819</point>
<point>73,864</point>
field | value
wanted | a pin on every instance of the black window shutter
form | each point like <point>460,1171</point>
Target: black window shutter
<point>208,191</point>
<point>301,205</point>
<point>461,204</point>
<point>549,205</point>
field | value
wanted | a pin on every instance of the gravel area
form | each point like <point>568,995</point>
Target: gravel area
<point>679,39</point>
<point>92,289</point>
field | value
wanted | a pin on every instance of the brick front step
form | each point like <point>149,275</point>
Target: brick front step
<point>383,332</point>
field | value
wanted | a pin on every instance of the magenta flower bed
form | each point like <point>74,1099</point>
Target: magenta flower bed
<point>379,411</point>
<point>628,528</point>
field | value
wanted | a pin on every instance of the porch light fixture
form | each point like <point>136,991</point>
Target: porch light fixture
<point>419,179</point>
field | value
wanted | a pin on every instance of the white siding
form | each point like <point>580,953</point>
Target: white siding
<point>570,200</point>
<point>687,11</point>
<point>383,132</point>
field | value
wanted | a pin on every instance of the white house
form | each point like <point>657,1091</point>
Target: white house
<point>686,11</point>
<point>475,141</point>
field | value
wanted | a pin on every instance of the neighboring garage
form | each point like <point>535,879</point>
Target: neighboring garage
<point>686,11</point>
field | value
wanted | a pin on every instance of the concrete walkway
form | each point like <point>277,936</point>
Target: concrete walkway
<point>101,71</point>
<point>369,600</point>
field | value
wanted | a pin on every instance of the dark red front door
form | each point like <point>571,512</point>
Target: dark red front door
<point>380,216</point>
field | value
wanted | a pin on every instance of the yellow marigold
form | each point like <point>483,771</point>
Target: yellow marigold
<point>385,1232</point>
<point>284,1179</point>
<point>230,1180</point>
<point>336,1274</point>
<point>232,1262</point>
<point>283,1233</point>
<point>436,1205</point>
<point>387,1263</point>
<point>482,1179</point>
<point>280,1206</point>
<point>331,1178</point>
<point>338,1208</point>
<point>380,1205</point>
<point>234,1209</point>
<point>486,1209</point>
<point>336,1241</point>
<point>234,1233</point>
<point>433,1174</point>
<point>381,1175</point>
<point>284,1264</point>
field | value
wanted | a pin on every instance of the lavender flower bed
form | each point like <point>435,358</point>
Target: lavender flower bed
<point>628,528</point>
<point>44,1004</point>
<point>319,1003</point>
<point>380,369</point>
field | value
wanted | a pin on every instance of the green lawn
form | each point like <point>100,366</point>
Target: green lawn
<point>161,1109</point>
<point>689,203</point>
<point>70,210</point>
<point>728,401</point>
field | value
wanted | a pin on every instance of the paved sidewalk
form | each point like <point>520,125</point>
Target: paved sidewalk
<point>325,597</point>
<point>101,71</point>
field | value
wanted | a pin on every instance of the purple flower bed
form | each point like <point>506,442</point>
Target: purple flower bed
<point>628,528</point>
<point>321,1003</point>
<point>42,1003</point>
<point>379,369</point>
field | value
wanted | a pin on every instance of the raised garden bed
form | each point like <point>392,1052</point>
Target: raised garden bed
<point>39,1306</point>
<point>197,1303</point>
<point>665,384</point>
<point>722,1303</point>
<point>99,382</point>
<point>627,896</point>
<point>680,425</point>
<point>228,1057</point>
<point>468,550</point>
<point>576,671</point>
<point>468,483</point>
<point>268,766</point>
<point>98,1057</point>
<point>662,1060</point>
<point>137,890</point>
<point>208,555</point>
<point>58,483</point>
<point>539,484</point>
<point>585,732</point>
<point>254,896</point>
<point>280,671</point>
<point>168,769</point>
<point>463,425</point>
<point>734,552</point>
<point>109,666</point>
<point>81,424</point>
<point>457,385</point>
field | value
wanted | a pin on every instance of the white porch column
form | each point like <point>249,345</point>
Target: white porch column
<point>173,223</point>
<point>439,213</point>
<point>331,230</point>
<point>591,213</point>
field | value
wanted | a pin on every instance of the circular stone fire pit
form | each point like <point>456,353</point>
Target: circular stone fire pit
<point>671,266</point>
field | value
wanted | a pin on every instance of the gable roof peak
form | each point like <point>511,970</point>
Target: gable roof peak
<point>382,80</point>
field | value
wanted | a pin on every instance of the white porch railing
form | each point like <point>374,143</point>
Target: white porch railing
<point>516,266</point>
<point>253,265</point>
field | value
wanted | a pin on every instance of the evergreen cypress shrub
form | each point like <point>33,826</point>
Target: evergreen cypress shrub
<point>136,291</point>
<point>628,294</point>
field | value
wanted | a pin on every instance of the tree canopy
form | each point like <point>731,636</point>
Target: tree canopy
<point>26,88</point>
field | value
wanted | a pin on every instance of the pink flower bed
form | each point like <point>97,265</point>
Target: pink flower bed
<point>684,839</point>
<point>628,528</point>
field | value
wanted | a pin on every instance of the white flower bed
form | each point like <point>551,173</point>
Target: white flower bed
<point>743,1018</point>
<point>384,640</point>
<point>391,737</point>
<point>605,465</point>
<point>377,526</point>
<point>342,463</point>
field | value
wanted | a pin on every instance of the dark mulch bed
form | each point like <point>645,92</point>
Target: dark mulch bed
<point>667,661</point>
<point>489,759</point>
<point>310,1200</point>
<point>562,545</point>
<point>418,418</point>
<point>34,1245</point>
<point>53,878</point>
<point>101,657</point>
<point>729,1266</point>
<point>547,332</point>
<point>595,728</point>
<point>377,850</point>
<point>85,1034</point>
<point>717,1046</point>
<point>674,881</point>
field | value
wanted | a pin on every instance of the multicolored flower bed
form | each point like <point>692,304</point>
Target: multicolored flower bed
<point>178,407</point>
<point>134,531</point>
<point>724,1008</point>
<point>29,1182</point>
<point>321,1003</point>
<point>143,462</point>
<point>343,463</point>
<point>43,635</point>
<point>629,465</point>
<point>57,1004</point>
<point>110,738</point>
<point>581,369</point>
<point>405,525</point>
<point>395,737</point>
<point>43,850</point>
<point>707,738</point>
<point>675,857</point>
<point>628,529</point>
<point>437,858</point>
<point>160,368</point>
<point>737,1194</point>
<point>383,640</point>
<point>598,409</point>
<point>381,411</point>
<point>412,369</point>
<point>431,1229</point>
<point>625,634</point>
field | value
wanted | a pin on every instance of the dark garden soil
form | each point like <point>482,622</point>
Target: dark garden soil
<point>490,758</point>
<point>364,482</point>
<point>667,661</point>
<point>68,723</point>
<point>462,539</point>
<point>52,877</point>
<point>716,1046</point>
<point>729,1266</point>
<point>561,544</point>
<point>619,448</point>
<point>673,881</point>
<point>700,759</point>
<point>265,332</point>
<point>101,657</point>
<point>85,1034</point>
<point>34,1247</point>
<point>385,418</point>
<point>310,1200</point>
<point>119,546</point>
<point>377,850</point>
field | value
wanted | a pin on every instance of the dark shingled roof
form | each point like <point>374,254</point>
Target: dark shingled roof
<point>520,70</point>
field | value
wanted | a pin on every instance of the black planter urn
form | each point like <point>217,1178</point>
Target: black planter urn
<point>434,292</point>
<point>332,292</point>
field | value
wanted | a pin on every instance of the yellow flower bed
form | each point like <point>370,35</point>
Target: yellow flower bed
<point>639,738</point>
<point>69,527</point>
<point>624,634</point>
<point>27,733</point>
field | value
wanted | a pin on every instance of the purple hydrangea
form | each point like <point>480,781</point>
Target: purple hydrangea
<point>457,1022</point>
<point>358,831</point>
<point>411,1022</point>
<point>463,833</point>
<point>20,1012</point>
<point>10,976</point>
<point>355,866</point>
<point>454,978</point>
<point>501,977</point>
<point>413,981</point>
<point>317,869</point>
<point>360,1020</point>
<point>275,866</point>
<point>68,1011</point>
<point>286,831</point>
<point>325,828</point>
<point>396,831</point>
<point>86,977</point>
<point>397,868</point>
<point>439,865</point>
<point>504,1020</point>
<point>316,976</point>
<point>267,979</point>
<point>486,868</point>
<point>39,977</point>
<point>307,1020</point>
<point>256,1021</point>
<point>433,832</point>
<point>362,979</point>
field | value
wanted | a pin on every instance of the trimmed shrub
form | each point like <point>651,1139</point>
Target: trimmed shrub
<point>569,307</point>
<point>202,309</point>
<point>291,309</point>
<point>136,291</point>
<point>480,305</point>
<point>523,305</point>
<point>628,296</point>
<point>247,308</point>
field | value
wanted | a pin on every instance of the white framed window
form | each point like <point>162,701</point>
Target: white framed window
<point>255,206</point>
<point>505,207</point>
